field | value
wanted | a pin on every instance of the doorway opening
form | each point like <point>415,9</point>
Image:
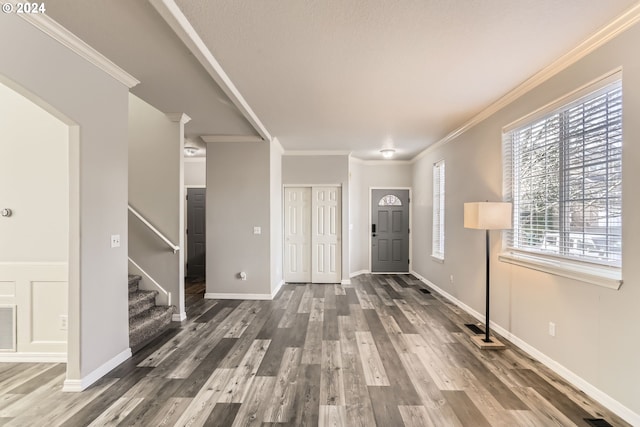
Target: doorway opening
<point>41,228</point>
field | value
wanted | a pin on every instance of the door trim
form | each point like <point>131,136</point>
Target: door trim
<point>410,269</point>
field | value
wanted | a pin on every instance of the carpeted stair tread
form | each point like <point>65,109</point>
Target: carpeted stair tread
<point>140,301</point>
<point>146,319</point>
<point>133,282</point>
<point>149,324</point>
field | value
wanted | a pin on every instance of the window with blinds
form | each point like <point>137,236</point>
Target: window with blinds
<point>437,246</point>
<point>563,174</point>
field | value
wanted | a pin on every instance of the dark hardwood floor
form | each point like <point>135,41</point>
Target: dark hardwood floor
<point>375,353</point>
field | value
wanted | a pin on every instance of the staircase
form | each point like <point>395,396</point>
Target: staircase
<point>146,319</point>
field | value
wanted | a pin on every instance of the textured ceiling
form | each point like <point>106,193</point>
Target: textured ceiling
<point>344,75</point>
<point>360,74</point>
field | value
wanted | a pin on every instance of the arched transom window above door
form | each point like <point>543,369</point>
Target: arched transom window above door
<point>389,200</point>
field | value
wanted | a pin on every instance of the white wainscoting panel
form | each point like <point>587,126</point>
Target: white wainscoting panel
<point>40,293</point>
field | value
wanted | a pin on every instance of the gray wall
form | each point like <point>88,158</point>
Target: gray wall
<point>95,105</point>
<point>363,177</point>
<point>155,176</point>
<point>596,327</point>
<point>238,191</point>
<point>195,171</point>
<point>323,170</point>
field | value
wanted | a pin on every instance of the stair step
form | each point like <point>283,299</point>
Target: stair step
<point>140,301</point>
<point>148,325</point>
<point>133,282</point>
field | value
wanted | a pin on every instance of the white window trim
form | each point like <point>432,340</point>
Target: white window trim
<point>440,165</point>
<point>596,274</point>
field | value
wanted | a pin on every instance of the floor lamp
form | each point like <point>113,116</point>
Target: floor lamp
<point>487,216</point>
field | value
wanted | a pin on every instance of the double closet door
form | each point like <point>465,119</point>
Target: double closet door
<point>312,236</point>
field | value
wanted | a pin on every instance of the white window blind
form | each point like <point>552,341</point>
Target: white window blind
<point>438,210</point>
<point>563,173</point>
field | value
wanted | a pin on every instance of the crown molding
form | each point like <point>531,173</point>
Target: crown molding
<point>231,138</point>
<point>65,37</point>
<point>599,38</point>
<point>378,162</point>
<point>316,153</point>
<point>278,146</point>
<point>179,23</point>
<point>179,118</point>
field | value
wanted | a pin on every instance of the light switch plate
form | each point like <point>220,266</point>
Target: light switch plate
<point>115,240</point>
<point>257,230</point>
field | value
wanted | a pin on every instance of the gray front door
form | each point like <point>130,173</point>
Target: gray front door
<point>390,231</point>
<point>196,236</point>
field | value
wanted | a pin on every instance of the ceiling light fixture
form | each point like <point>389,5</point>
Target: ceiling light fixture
<point>190,151</point>
<point>387,153</point>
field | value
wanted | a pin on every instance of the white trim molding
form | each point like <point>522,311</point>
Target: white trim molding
<point>217,295</point>
<point>358,273</point>
<point>65,37</point>
<point>607,277</point>
<point>179,23</point>
<point>599,38</point>
<point>345,282</point>
<point>181,118</point>
<point>231,138</point>
<point>179,317</point>
<point>316,153</point>
<point>591,390</point>
<point>96,374</point>
<point>275,290</point>
<point>26,357</point>
<point>376,162</point>
<point>278,145</point>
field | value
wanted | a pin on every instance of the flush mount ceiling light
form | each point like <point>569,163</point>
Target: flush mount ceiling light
<point>387,153</point>
<point>190,151</point>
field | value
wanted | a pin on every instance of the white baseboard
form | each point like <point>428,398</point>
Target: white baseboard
<point>358,273</point>
<point>610,403</point>
<point>275,291</point>
<point>23,357</point>
<point>179,317</point>
<point>82,384</point>
<point>269,297</point>
<point>216,295</point>
<point>345,282</point>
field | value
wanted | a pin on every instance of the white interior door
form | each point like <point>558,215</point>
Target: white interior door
<point>325,235</point>
<point>297,239</point>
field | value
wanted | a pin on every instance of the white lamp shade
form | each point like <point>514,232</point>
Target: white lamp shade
<point>487,215</point>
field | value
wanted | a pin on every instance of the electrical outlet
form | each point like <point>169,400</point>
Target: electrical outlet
<point>552,329</point>
<point>115,240</point>
<point>64,322</point>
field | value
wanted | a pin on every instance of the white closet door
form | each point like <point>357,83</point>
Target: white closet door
<point>297,221</point>
<point>326,235</point>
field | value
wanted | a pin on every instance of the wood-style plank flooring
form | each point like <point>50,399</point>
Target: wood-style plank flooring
<point>375,353</point>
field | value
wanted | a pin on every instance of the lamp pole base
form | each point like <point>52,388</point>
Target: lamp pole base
<point>493,343</point>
